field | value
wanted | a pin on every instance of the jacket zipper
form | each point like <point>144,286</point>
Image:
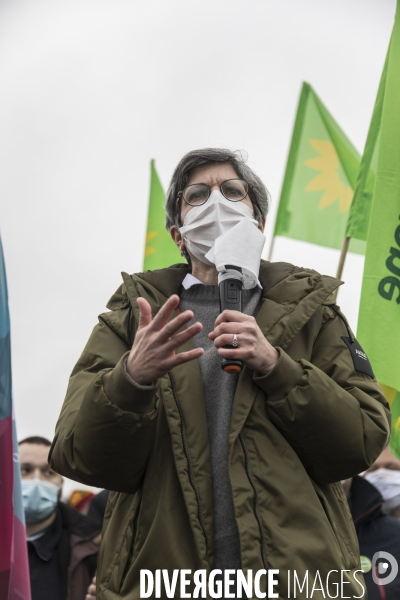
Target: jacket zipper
<point>189,461</point>
<point>256,513</point>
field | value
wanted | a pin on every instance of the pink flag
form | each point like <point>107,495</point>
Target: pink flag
<point>14,568</point>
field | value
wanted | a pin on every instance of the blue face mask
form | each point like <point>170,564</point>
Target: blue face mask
<point>39,498</point>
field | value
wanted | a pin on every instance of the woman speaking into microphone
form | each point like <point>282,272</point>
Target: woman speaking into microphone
<point>213,473</point>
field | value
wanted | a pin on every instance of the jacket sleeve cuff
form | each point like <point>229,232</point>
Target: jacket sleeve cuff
<point>125,393</point>
<point>282,379</point>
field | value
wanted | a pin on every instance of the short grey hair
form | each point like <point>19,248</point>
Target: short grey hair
<point>258,193</point>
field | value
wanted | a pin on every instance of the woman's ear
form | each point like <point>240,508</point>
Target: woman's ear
<point>177,237</point>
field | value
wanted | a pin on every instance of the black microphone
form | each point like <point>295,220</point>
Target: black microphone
<point>230,296</point>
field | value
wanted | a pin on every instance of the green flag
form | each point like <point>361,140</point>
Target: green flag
<point>357,225</point>
<point>160,250</point>
<point>320,178</point>
<point>379,317</point>
<point>393,397</point>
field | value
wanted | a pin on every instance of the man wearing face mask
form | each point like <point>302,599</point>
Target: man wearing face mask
<point>374,500</point>
<point>209,470</point>
<point>62,544</point>
<point>385,476</point>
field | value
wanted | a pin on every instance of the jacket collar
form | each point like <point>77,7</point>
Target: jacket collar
<point>291,295</point>
<point>366,501</point>
<point>80,529</point>
<point>46,544</point>
<point>282,282</point>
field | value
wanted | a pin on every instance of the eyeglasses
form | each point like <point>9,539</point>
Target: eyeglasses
<point>198,193</point>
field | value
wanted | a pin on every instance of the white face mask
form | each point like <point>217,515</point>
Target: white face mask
<point>203,224</point>
<point>387,481</point>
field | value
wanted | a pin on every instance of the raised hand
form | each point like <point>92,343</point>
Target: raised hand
<point>153,351</point>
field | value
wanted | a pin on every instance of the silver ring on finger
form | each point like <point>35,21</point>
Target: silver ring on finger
<point>235,342</point>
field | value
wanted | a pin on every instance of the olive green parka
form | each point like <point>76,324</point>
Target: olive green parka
<point>294,435</point>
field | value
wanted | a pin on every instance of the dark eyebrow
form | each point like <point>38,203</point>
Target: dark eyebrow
<point>43,466</point>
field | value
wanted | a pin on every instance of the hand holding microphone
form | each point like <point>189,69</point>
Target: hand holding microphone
<point>230,295</point>
<point>253,348</point>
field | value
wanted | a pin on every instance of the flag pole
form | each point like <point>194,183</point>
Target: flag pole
<point>271,248</point>
<point>343,254</point>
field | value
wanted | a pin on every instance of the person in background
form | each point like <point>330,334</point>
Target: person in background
<point>374,500</point>
<point>80,500</point>
<point>385,476</point>
<point>96,512</point>
<point>97,507</point>
<point>62,544</point>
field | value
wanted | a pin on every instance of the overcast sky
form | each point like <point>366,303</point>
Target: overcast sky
<point>93,89</point>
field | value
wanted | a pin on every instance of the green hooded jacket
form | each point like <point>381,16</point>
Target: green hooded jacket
<point>294,435</point>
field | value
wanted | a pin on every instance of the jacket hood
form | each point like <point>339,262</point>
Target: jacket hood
<point>169,281</point>
<point>366,501</point>
<point>291,295</point>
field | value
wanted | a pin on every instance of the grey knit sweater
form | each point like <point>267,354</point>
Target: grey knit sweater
<point>219,390</point>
